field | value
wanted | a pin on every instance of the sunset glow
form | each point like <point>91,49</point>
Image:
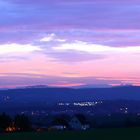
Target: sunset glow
<point>69,43</point>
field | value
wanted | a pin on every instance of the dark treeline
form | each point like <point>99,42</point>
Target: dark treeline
<point>23,123</point>
<point>18,123</point>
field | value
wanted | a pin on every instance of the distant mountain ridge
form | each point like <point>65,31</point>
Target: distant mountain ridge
<point>12,100</point>
<point>54,94</point>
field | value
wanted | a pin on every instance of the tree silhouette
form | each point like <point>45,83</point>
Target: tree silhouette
<point>5,121</point>
<point>22,123</point>
<point>129,123</point>
<point>81,118</point>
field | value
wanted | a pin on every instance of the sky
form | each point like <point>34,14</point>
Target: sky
<point>69,42</point>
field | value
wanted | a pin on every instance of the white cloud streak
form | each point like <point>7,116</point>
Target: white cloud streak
<point>48,38</point>
<point>96,48</point>
<point>17,48</point>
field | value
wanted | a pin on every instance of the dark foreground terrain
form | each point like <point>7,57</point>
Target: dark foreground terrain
<point>98,134</point>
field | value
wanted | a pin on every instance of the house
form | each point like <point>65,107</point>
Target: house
<point>77,123</point>
<point>39,128</point>
<point>57,127</point>
<point>69,122</point>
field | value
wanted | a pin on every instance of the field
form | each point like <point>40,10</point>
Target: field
<point>98,134</point>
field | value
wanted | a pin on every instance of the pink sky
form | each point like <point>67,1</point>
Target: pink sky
<point>69,43</point>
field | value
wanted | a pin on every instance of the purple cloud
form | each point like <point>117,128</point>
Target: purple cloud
<point>73,56</point>
<point>27,79</point>
<point>24,21</point>
<point>74,14</point>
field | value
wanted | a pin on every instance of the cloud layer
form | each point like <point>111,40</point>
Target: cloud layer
<point>99,38</point>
